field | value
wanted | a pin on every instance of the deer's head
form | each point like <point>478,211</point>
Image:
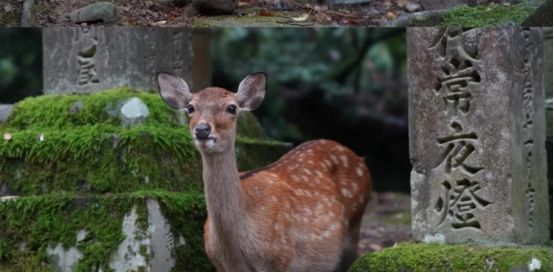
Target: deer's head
<point>213,111</point>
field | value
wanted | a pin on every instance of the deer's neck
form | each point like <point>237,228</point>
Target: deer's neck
<point>224,197</point>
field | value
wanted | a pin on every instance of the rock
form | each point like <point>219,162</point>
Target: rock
<point>412,7</point>
<point>441,4</point>
<point>62,259</point>
<point>152,250</point>
<point>541,17</point>
<point>8,8</point>
<point>215,7</point>
<point>5,112</point>
<point>97,58</point>
<point>76,107</point>
<point>414,257</point>
<point>99,11</point>
<point>134,111</point>
<point>477,134</point>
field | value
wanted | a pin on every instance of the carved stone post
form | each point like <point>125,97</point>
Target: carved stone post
<point>477,134</point>
<point>84,60</point>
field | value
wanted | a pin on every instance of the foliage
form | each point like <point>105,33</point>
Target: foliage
<point>340,62</point>
<point>435,257</point>
<point>20,63</point>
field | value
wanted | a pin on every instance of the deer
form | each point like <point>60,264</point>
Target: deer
<point>299,213</point>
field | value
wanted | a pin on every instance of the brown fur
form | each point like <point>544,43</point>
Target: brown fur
<point>301,213</point>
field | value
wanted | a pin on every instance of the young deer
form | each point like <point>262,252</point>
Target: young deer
<point>301,213</point>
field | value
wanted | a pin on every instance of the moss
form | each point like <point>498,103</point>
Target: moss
<point>79,169</point>
<point>87,150</point>
<point>55,218</point>
<point>482,16</point>
<point>434,257</point>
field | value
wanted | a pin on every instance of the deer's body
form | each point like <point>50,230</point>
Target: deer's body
<point>301,213</point>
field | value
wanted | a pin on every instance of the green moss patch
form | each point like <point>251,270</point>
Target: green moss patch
<point>56,146</point>
<point>31,223</point>
<point>435,257</point>
<point>483,16</point>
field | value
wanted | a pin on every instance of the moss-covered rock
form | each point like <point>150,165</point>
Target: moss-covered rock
<point>77,143</point>
<point>32,226</point>
<point>435,257</point>
<point>102,192</point>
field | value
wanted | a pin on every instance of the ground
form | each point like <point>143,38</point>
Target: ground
<point>251,13</point>
<point>386,222</point>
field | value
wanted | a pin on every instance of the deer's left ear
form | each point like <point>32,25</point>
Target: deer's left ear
<point>251,91</point>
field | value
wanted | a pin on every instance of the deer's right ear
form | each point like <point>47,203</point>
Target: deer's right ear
<point>174,90</point>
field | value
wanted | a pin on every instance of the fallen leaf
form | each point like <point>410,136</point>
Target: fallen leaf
<point>159,23</point>
<point>265,13</point>
<point>390,15</point>
<point>301,18</point>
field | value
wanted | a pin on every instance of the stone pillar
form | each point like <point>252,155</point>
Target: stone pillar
<point>477,133</point>
<point>82,60</point>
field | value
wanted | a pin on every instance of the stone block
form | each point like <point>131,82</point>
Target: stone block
<point>136,231</point>
<point>90,59</point>
<point>477,132</point>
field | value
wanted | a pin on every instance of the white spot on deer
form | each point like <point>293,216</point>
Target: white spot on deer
<point>328,163</point>
<point>295,178</point>
<point>359,171</point>
<point>355,186</point>
<point>344,160</point>
<point>346,193</point>
<point>318,173</point>
<point>308,172</point>
<point>305,178</point>
<point>334,159</point>
<point>274,199</point>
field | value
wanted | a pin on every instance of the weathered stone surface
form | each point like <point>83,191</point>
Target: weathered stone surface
<point>134,111</point>
<point>97,58</point>
<point>477,132</point>
<point>64,259</point>
<point>5,111</point>
<point>99,11</point>
<point>215,7</point>
<point>150,250</point>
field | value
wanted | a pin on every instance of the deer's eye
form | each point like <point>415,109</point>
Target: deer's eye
<point>232,109</point>
<point>190,109</point>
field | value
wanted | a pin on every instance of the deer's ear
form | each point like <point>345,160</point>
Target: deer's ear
<point>251,91</point>
<point>174,90</point>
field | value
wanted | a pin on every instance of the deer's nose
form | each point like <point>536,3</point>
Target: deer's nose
<point>202,131</point>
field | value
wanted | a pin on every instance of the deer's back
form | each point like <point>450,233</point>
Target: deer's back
<point>304,202</point>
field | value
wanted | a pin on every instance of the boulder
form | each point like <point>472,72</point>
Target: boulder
<point>99,11</point>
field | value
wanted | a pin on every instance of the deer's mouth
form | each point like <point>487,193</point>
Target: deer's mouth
<point>208,142</point>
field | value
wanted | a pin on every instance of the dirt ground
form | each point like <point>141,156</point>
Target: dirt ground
<point>250,12</point>
<point>387,221</point>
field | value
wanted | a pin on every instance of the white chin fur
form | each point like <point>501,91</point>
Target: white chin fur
<point>209,144</point>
